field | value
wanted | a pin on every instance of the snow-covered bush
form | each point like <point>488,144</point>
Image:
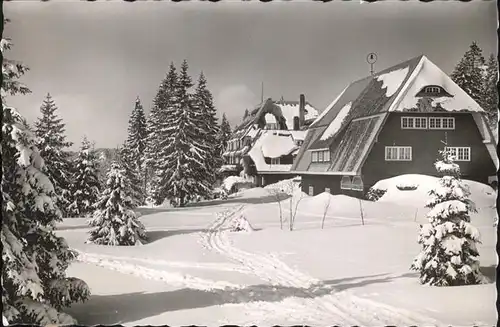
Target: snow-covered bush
<point>230,183</point>
<point>35,289</point>
<point>374,194</point>
<point>241,224</point>
<point>449,254</point>
<point>114,222</point>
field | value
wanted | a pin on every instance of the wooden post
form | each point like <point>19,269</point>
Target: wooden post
<point>361,210</point>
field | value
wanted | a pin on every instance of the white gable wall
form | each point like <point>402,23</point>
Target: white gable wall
<point>427,73</point>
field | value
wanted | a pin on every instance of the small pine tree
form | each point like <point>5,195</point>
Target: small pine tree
<point>35,289</point>
<point>490,98</point>
<point>468,73</point>
<point>449,254</point>
<point>246,114</point>
<point>114,222</point>
<point>86,184</point>
<point>136,144</point>
<point>51,141</point>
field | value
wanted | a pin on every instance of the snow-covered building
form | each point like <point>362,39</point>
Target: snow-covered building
<point>265,144</point>
<point>394,123</point>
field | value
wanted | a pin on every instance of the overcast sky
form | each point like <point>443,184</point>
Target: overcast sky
<point>96,58</point>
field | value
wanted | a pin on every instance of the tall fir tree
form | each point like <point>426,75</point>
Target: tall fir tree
<point>182,151</point>
<point>114,222</point>
<point>449,241</point>
<point>490,97</point>
<point>203,102</point>
<point>469,72</point>
<point>164,108</point>
<point>53,146</point>
<point>35,289</point>
<point>246,114</point>
<point>136,143</point>
<point>86,186</point>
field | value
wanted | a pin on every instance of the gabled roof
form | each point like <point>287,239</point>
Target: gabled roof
<point>285,111</point>
<point>350,124</point>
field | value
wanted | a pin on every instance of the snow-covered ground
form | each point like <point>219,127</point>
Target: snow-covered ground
<point>195,271</point>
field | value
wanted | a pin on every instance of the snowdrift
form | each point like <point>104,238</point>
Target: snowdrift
<point>288,185</point>
<point>483,195</point>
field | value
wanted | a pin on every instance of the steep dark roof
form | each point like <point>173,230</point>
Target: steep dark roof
<point>366,98</point>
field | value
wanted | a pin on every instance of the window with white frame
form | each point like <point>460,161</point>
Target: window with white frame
<point>432,89</point>
<point>441,122</point>
<point>357,183</point>
<point>398,153</point>
<point>327,190</point>
<point>275,161</point>
<point>414,122</point>
<point>311,191</point>
<point>345,183</point>
<point>320,156</point>
<point>460,153</point>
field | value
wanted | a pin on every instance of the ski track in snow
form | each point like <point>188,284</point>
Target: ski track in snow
<point>95,257</point>
<point>171,278</point>
<point>319,304</point>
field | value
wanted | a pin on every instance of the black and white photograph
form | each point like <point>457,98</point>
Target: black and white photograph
<point>249,163</point>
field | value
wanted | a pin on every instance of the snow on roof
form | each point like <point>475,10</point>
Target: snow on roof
<point>335,125</point>
<point>271,146</point>
<point>275,145</point>
<point>330,106</point>
<point>427,73</point>
<point>290,109</point>
<point>252,131</point>
<point>392,81</point>
<point>270,119</point>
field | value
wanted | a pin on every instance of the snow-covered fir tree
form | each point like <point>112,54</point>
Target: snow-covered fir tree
<point>35,289</point>
<point>136,189</point>
<point>203,102</point>
<point>136,143</point>
<point>224,135</point>
<point>449,241</point>
<point>86,186</point>
<point>53,146</point>
<point>469,73</point>
<point>490,97</point>
<point>164,107</point>
<point>114,222</point>
<point>181,150</point>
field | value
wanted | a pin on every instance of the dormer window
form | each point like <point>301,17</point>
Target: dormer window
<point>432,89</point>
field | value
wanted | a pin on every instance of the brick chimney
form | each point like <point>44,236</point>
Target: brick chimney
<point>302,110</point>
